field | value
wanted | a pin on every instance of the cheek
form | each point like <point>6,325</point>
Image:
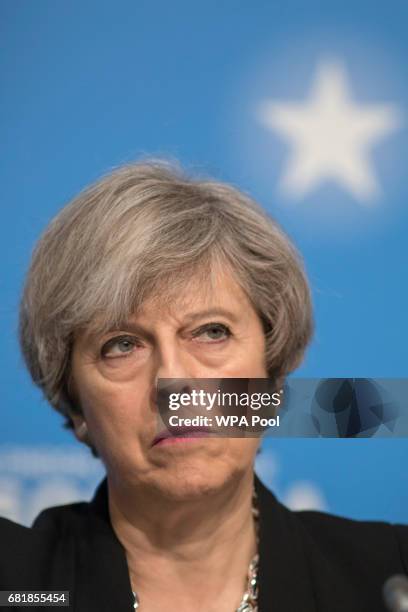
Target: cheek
<point>250,360</point>
<point>243,450</point>
<point>113,409</point>
<point>121,425</point>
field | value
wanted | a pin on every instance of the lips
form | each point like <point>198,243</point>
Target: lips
<point>182,432</point>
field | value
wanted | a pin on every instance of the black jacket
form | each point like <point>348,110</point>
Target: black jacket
<point>309,561</point>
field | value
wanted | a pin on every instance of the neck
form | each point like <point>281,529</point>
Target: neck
<point>188,551</point>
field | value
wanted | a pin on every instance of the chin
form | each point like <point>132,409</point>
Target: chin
<point>193,480</point>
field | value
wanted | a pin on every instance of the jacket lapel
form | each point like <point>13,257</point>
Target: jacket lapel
<point>284,581</point>
<point>103,583</point>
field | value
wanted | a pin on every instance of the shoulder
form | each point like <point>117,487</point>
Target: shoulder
<point>336,541</point>
<point>29,554</point>
<point>338,563</point>
<point>351,559</point>
<point>369,541</point>
<point>50,522</point>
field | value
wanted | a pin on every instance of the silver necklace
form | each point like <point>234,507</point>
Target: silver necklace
<point>249,601</point>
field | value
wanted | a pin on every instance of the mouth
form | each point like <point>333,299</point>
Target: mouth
<point>180,434</point>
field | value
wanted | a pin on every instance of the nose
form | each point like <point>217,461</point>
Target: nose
<point>173,362</point>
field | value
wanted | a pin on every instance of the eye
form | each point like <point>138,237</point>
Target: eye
<point>212,333</point>
<point>119,347</point>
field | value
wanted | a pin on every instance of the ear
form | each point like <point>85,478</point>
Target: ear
<point>80,428</point>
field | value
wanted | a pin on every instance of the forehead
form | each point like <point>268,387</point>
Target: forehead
<point>218,291</point>
<point>178,297</point>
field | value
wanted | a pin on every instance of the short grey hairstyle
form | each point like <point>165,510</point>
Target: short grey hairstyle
<point>125,236</point>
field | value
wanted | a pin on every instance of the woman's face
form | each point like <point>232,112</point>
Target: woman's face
<point>203,334</point>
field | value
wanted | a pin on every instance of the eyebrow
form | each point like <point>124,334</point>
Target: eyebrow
<point>211,313</point>
<point>189,318</point>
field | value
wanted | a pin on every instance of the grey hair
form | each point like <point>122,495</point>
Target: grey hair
<point>125,237</point>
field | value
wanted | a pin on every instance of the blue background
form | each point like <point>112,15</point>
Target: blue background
<point>89,85</point>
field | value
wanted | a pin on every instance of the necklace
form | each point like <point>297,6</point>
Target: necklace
<point>249,601</point>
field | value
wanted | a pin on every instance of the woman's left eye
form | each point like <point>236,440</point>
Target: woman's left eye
<point>214,332</point>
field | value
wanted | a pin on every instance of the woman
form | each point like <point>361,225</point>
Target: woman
<point>150,274</point>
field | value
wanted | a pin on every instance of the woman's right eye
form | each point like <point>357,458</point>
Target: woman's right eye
<point>119,347</point>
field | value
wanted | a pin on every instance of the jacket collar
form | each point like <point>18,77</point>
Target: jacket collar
<point>284,581</point>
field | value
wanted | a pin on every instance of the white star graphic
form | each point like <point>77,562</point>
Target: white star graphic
<point>330,136</point>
